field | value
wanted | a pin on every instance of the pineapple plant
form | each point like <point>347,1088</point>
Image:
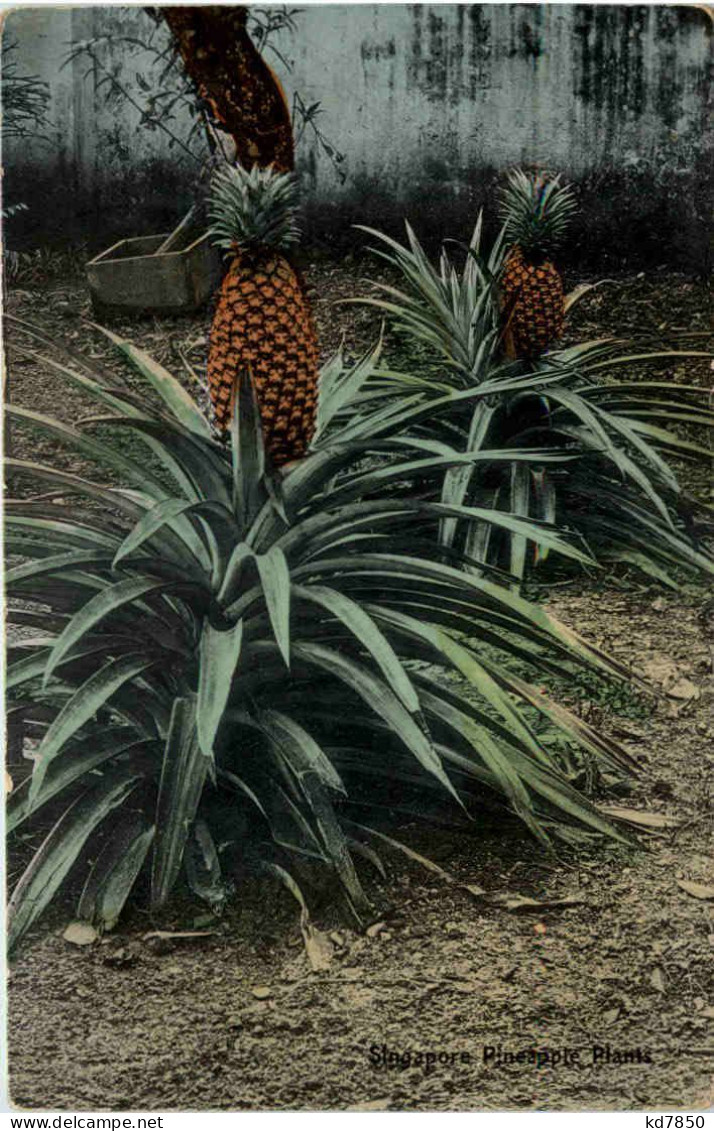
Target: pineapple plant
<point>535,210</point>
<point>582,446</point>
<point>227,672</point>
<point>263,320</point>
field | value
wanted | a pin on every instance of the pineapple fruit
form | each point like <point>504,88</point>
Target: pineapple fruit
<point>263,321</point>
<point>535,210</point>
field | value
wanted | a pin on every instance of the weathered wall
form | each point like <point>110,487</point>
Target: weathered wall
<point>94,173</point>
<point>428,104</point>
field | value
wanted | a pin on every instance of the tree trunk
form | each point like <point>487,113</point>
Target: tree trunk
<point>230,74</point>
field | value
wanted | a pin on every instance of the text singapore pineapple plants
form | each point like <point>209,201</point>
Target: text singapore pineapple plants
<point>228,662</point>
<point>263,319</point>
<point>535,210</point>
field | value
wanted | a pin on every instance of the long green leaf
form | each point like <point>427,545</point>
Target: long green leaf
<point>173,394</point>
<point>68,483</point>
<point>51,864</point>
<point>183,777</point>
<point>114,872</point>
<point>76,760</point>
<point>304,754</point>
<point>101,453</point>
<point>248,452</point>
<point>219,653</point>
<point>106,602</point>
<point>382,700</point>
<point>366,632</point>
<point>274,574</point>
<point>81,707</point>
<point>456,480</point>
<point>203,866</point>
<point>472,668</point>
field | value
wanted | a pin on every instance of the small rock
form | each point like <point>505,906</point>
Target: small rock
<point>261,993</point>
<point>453,931</point>
<point>121,959</point>
<point>80,934</point>
<point>352,973</point>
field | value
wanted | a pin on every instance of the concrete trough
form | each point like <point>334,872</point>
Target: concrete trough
<point>129,276</point>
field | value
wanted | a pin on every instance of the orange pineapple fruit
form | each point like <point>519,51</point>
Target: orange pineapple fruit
<point>263,321</point>
<point>535,210</point>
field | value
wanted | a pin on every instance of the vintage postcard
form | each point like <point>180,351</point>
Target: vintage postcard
<point>359,545</point>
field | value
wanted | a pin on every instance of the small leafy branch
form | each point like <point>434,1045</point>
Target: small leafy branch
<point>25,98</point>
<point>263,23</point>
<point>162,93</point>
<point>306,116</point>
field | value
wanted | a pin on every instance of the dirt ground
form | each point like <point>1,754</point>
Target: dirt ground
<point>236,1018</point>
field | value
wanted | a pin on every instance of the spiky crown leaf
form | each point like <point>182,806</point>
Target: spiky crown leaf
<point>253,209</point>
<point>536,210</point>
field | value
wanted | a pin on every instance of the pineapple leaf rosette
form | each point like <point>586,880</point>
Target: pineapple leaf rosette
<point>592,427</point>
<point>223,671</point>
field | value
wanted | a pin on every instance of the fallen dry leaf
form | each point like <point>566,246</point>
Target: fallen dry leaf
<point>524,903</point>
<point>80,934</point>
<point>640,817</point>
<point>475,890</point>
<point>699,891</point>
<point>540,929</point>
<point>318,947</point>
<point>610,1016</point>
<point>657,980</point>
<point>684,689</point>
<point>178,934</point>
<point>708,1012</point>
<point>660,669</point>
